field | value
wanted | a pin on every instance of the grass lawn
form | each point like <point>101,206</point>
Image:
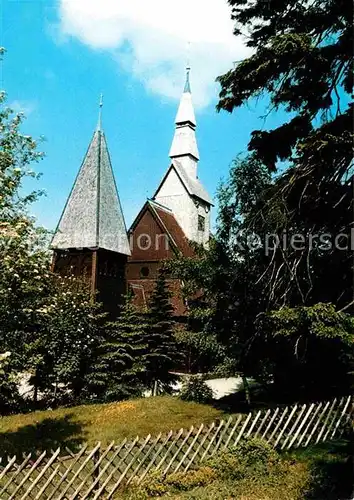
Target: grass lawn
<point>91,423</point>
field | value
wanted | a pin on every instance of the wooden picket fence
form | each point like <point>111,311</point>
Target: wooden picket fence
<point>101,471</point>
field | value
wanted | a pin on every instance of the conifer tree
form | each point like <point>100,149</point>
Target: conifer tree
<point>120,371</point>
<point>162,353</point>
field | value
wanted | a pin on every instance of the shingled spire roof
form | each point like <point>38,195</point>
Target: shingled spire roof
<point>184,141</point>
<point>93,216</point>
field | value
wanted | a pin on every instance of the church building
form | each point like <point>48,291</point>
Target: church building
<point>178,212</point>
<point>91,239</point>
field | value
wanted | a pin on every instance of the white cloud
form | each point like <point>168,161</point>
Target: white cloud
<point>25,107</point>
<point>150,39</point>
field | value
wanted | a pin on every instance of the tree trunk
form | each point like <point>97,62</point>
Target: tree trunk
<point>247,390</point>
<point>35,389</point>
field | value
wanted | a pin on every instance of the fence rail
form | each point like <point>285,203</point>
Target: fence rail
<point>99,472</point>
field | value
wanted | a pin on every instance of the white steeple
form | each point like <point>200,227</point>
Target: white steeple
<point>184,145</point>
<point>180,189</point>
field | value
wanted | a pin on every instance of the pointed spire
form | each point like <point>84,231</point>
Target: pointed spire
<point>186,110</point>
<point>184,145</point>
<point>99,123</point>
<point>93,216</point>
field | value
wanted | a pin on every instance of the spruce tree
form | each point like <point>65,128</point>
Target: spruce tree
<point>120,371</point>
<point>162,353</point>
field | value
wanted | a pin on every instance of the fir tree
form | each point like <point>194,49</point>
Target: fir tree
<point>120,371</point>
<point>162,350</point>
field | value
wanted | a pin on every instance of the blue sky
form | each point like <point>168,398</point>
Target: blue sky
<point>61,56</point>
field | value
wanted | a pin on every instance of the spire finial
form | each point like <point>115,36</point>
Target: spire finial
<point>187,87</point>
<point>99,124</point>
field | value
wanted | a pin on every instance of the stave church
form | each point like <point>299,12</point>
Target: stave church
<point>92,241</point>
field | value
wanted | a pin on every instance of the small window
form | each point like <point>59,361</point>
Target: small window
<point>201,223</point>
<point>144,272</point>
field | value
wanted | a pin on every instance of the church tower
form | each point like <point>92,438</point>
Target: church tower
<point>91,238</point>
<point>180,189</point>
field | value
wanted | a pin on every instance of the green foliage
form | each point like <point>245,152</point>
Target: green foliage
<point>320,320</point>
<point>250,458</point>
<point>63,346</point>
<point>162,355</point>
<point>302,62</point>
<point>155,485</point>
<point>48,325</point>
<point>9,395</point>
<point>120,370</point>
<point>257,281</point>
<point>195,389</point>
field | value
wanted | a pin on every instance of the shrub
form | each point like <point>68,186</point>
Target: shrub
<point>250,458</point>
<point>195,389</point>
<point>156,485</point>
<point>185,481</point>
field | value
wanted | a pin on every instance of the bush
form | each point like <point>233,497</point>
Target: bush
<point>250,458</point>
<point>156,485</point>
<point>183,481</point>
<point>195,389</point>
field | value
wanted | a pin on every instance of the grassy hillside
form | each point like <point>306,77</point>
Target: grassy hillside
<point>72,426</point>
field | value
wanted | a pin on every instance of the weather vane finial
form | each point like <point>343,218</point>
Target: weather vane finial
<point>100,113</point>
<point>187,87</point>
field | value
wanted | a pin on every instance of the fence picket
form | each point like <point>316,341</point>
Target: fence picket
<point>90,474</point>
<point>341,416</point>
<point>189,448</point>
<point>66,473</point>
<point>200,447</point>
<point>41,474</point>
<point>47,483</point>
<point>294,426</point>
<point>152,461</point>
<point>222,434</point>
<point>297,432</point>
<point>317,423</point>
<point>140,464</point>
<point>178,450</point>
<point>122,476</point>
<point>111,474</point>
<point>304,434</point>
<point>325,422</point>
<point>253,423</point>
<point>264,419</point>
<point>76,474</point>
<point>270,423</point>
<point>212,440</point>
<point>278,424</point>
<point>285,426</point>
<point>27,476</point>
<point>232,432</point>
<point>242,429</point>
<point>18,471</point>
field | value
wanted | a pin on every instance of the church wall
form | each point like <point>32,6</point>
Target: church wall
<point>203,237</point>
<point>174,196</point>
<point>148,242</point>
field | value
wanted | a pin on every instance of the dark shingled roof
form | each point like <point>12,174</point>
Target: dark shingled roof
<point>93,216</point>
<point>172,228</point>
